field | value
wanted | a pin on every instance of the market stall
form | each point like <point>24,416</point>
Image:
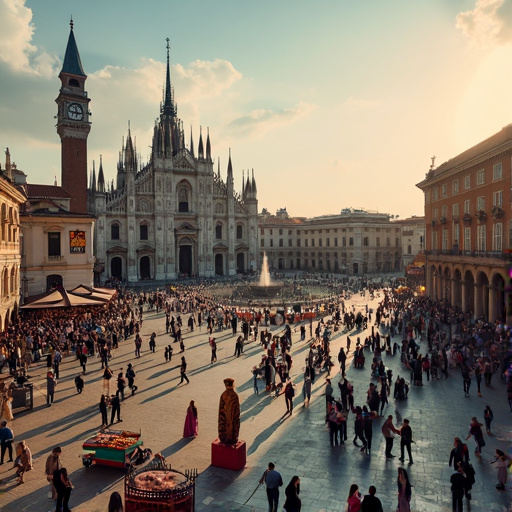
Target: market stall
<point>111,448</point>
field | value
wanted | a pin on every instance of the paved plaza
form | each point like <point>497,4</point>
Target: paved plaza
<point>298,445</point>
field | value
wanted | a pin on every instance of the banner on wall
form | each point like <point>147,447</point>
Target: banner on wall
<point>77,241</point>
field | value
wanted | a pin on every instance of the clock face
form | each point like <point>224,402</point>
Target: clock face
<point>75,112</point>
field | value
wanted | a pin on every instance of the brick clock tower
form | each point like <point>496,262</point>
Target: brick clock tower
<point>73,126</point>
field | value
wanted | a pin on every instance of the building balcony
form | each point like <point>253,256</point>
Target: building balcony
<point>495,255</point>
<point>53,260</point>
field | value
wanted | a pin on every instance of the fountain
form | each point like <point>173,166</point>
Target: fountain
<point>265,288</point>
<point>265,273</point>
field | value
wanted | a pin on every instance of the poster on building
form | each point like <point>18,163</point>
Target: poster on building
<point>77,241</point>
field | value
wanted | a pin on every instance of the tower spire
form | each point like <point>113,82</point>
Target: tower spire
<point>72,64</point>
<point>168,105</point>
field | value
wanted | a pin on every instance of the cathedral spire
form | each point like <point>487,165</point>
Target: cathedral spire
<point>208,147</point>
<point>230,167</point>
<point>200,150</point>
<point>168,108</point>
<point>191,142</point>
<point>101,177</point>
<point>93,177</point>
<point>253,184</point>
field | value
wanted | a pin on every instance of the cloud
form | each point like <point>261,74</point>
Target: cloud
<point>355,104</point>
<point>263,120</point>
<point>204,78</point>
<point>488,23</point>
<point>16,48</point>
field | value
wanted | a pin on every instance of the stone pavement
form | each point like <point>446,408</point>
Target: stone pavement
<point>299,444</point>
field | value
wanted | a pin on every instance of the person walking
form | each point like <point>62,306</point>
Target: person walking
<point>459,454</point>
<point>130,376</point>
<point>354,499</point>
<point>51,384</point>
<point>293,502</point>
<point>213,346</point>
<point>488,417</point>
<point>63,487</point>
<point>370,502</point>
<point>83,362</point>
<point>387,431</point>
<point>121,384</point>
<point>404,491</point>
<point>458,486</point>
<point>475,430</point>
<point>23,461</point>
<point>191,423</point>
<point>342,358</point>
<point>116,408</point>
<point>405,441</point>
<point>107,376</point>
<point>502,461</point>
<point>306,390</point>
<point>183,370</point>
<point>368,428</point>
<point>289,393</point>
<point>6,439</point>
<point>466,378</point>
<point>273,481</point>
<point>103,411</point>
<point>53,464</point>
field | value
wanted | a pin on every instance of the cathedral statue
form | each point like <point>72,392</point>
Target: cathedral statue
<point>229,414</point>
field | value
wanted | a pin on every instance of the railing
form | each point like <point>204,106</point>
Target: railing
<point>471,254</point>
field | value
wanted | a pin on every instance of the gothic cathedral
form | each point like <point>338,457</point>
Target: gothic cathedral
<point>172,217</point>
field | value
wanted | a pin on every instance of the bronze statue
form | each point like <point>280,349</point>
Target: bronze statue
<point>229,414</point>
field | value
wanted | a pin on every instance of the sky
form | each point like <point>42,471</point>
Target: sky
<point>333,103</point>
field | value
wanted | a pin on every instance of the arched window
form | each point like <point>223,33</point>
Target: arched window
<point>218,231</point>
<point>13,276</point>
<point>5,283</point>
<point>4,222</point>
<point>114,231</point>
<point>183,199</point>
<point>144,231</point>
<point>239,231</point>
<point>73,83</point>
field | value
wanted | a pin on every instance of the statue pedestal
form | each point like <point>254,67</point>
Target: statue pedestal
<point>229,457</point>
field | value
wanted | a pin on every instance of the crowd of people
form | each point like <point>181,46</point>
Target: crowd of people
<point>454,340</point>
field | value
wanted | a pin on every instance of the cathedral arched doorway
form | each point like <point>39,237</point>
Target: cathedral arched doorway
<point>240,263</point>
<point>219,265</point>
<point>53,282</point>
<point>116,267</point>
<point>185,260</point>
<point>145,268</point>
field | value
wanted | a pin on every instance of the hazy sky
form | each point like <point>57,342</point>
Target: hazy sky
<point>334,104</point>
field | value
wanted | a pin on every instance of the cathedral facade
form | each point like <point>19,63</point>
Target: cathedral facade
<point>174,216</point>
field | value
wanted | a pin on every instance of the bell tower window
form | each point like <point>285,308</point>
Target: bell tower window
<point>73,82</point>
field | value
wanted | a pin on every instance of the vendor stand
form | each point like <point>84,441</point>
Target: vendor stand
<point>111,448</point>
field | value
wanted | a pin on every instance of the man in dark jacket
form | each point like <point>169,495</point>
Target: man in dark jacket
<point>370,502</point>
<point>458,481</point>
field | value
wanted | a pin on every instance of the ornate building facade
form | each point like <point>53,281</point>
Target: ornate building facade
<point>11,200</point>
<point>469,227</point>
<point>354,242</point>
<point>174,216</point>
